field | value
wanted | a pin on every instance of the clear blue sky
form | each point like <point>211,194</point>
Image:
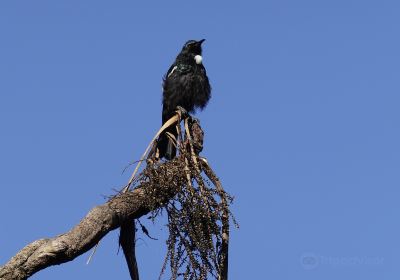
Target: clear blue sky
<point>302,128</point>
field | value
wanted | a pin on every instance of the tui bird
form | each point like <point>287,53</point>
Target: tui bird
<point>186,85</point>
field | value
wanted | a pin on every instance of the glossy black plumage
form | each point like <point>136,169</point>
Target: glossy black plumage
<point>185,84</point>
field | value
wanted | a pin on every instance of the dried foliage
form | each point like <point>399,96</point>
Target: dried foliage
<point>186,188</point>
<point>198,215</point>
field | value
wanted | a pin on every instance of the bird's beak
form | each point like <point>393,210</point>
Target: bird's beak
<point>201,41</point>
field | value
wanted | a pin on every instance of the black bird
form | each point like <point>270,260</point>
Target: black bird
<point>186,85</point>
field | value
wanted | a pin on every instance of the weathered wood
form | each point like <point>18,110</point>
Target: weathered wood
<point>98,222</point>
<point>158,184</point>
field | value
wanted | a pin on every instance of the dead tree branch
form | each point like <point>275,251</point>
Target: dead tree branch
<point>98,222</point>
<point>186,188</point>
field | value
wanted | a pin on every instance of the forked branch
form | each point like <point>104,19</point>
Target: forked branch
<point>186,188</point>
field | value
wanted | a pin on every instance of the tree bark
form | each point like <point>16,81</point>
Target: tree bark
<point>102,219</point>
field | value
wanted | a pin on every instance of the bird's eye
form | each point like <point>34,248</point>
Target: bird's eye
<point>190,44</point>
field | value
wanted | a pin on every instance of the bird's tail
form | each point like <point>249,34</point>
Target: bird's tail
<point>166,145</point>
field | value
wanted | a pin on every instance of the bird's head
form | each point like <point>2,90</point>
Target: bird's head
<point>193,47</point>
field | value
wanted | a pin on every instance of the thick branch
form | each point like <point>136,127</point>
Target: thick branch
<point>98,222</point>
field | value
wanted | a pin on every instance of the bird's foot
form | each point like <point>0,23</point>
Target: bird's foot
<point>183,113</point>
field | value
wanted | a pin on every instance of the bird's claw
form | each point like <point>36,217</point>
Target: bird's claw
<point>182,111</point>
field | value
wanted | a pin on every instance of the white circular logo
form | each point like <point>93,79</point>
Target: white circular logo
<point>309,261</point>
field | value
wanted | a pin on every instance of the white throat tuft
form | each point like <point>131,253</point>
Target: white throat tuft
<point>198,59</point>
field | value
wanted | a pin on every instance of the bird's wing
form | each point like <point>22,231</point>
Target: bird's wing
<point>171,70</point>
<point>180,69</point>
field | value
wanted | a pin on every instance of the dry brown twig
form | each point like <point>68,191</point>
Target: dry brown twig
<point>197,208</point>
